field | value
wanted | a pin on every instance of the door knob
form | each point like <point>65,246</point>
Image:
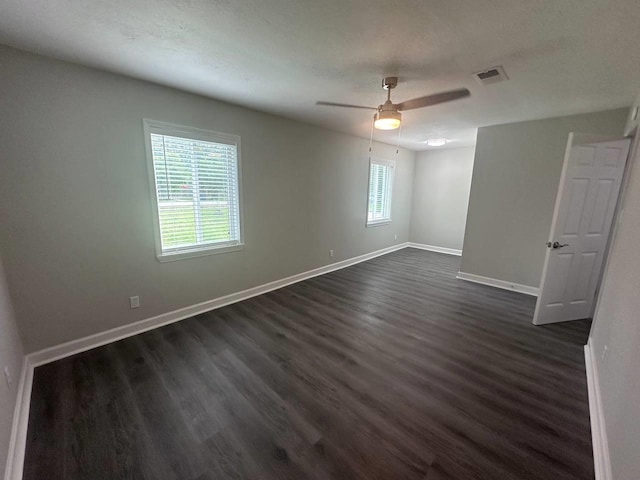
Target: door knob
<point>555,245</point>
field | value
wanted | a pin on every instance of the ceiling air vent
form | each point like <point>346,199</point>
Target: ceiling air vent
<point>491,75</point>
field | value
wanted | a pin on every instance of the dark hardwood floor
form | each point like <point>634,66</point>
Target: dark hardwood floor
<point>390,369</point>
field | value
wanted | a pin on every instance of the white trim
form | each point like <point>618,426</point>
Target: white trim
<point>392,166</point>
<point>18,439</point>
<point>601,460</point>
<point>15,460</point>
<point>198,252</point>
<point>92,341</point>
<point>433,248</point>
<point>494,282</point>
<point>164,128</point>
<point>17,444</point>
<point>378,223</point>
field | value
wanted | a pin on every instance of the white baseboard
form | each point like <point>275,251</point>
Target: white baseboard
<point>18,439</point>
<point>494,282</point>
<point>17,445</point>
<point>601,460</point>
<point>433,248</point>
<point>92,341</point>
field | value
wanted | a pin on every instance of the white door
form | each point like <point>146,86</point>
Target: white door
<point>586,202</point>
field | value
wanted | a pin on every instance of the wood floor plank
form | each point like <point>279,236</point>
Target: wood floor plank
<point>184,388</point>
<point>377,408</point>
<point>408,363</point>
<point>44,457</point>
<point>493,421</point>
<point>324,457</point>
<point>271,450</point>
<point>162,418</point>
<point>349,425</point>
<point>388,369</point>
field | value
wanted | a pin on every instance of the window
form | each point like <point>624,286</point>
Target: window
<point>380,186</point>
<point>195,178</point>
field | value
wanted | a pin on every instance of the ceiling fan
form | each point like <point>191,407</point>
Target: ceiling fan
<point>388,115</point>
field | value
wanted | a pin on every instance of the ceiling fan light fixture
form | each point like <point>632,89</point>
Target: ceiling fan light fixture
<point>387,120</point>
<point>436,142</point>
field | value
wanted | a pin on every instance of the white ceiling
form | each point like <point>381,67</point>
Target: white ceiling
<point>280,56</point>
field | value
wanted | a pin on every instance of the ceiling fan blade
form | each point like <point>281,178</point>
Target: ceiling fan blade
<point>433,99</point>
<point>332,104</point>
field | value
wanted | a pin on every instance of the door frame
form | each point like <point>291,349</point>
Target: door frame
<point>586,138</point>
<point>618,214</point>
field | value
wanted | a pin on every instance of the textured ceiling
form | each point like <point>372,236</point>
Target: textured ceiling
<point>280,56</point>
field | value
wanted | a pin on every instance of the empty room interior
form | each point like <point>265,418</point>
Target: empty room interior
<point>361,239</point>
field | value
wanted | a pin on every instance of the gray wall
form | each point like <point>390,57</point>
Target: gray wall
<point>11,356</point>
<point>77,236</point>
<point>617,325</point>
<point>516,174</point>
<point>441,185</point>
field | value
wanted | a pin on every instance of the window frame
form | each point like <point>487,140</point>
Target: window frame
<point>192,133</point>
<point>392,165</point>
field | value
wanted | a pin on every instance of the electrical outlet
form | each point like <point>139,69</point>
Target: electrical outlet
<point>605,353</point>
<point>7,376</point>
<point>134,302</point>
<point>331,253</point>
<point>395,237</point>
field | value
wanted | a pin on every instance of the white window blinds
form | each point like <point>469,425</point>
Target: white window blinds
<point>197,191</point>
<point>380,187</point>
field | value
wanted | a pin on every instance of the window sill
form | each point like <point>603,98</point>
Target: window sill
<point>198,252</point>
<point>379,223</point>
